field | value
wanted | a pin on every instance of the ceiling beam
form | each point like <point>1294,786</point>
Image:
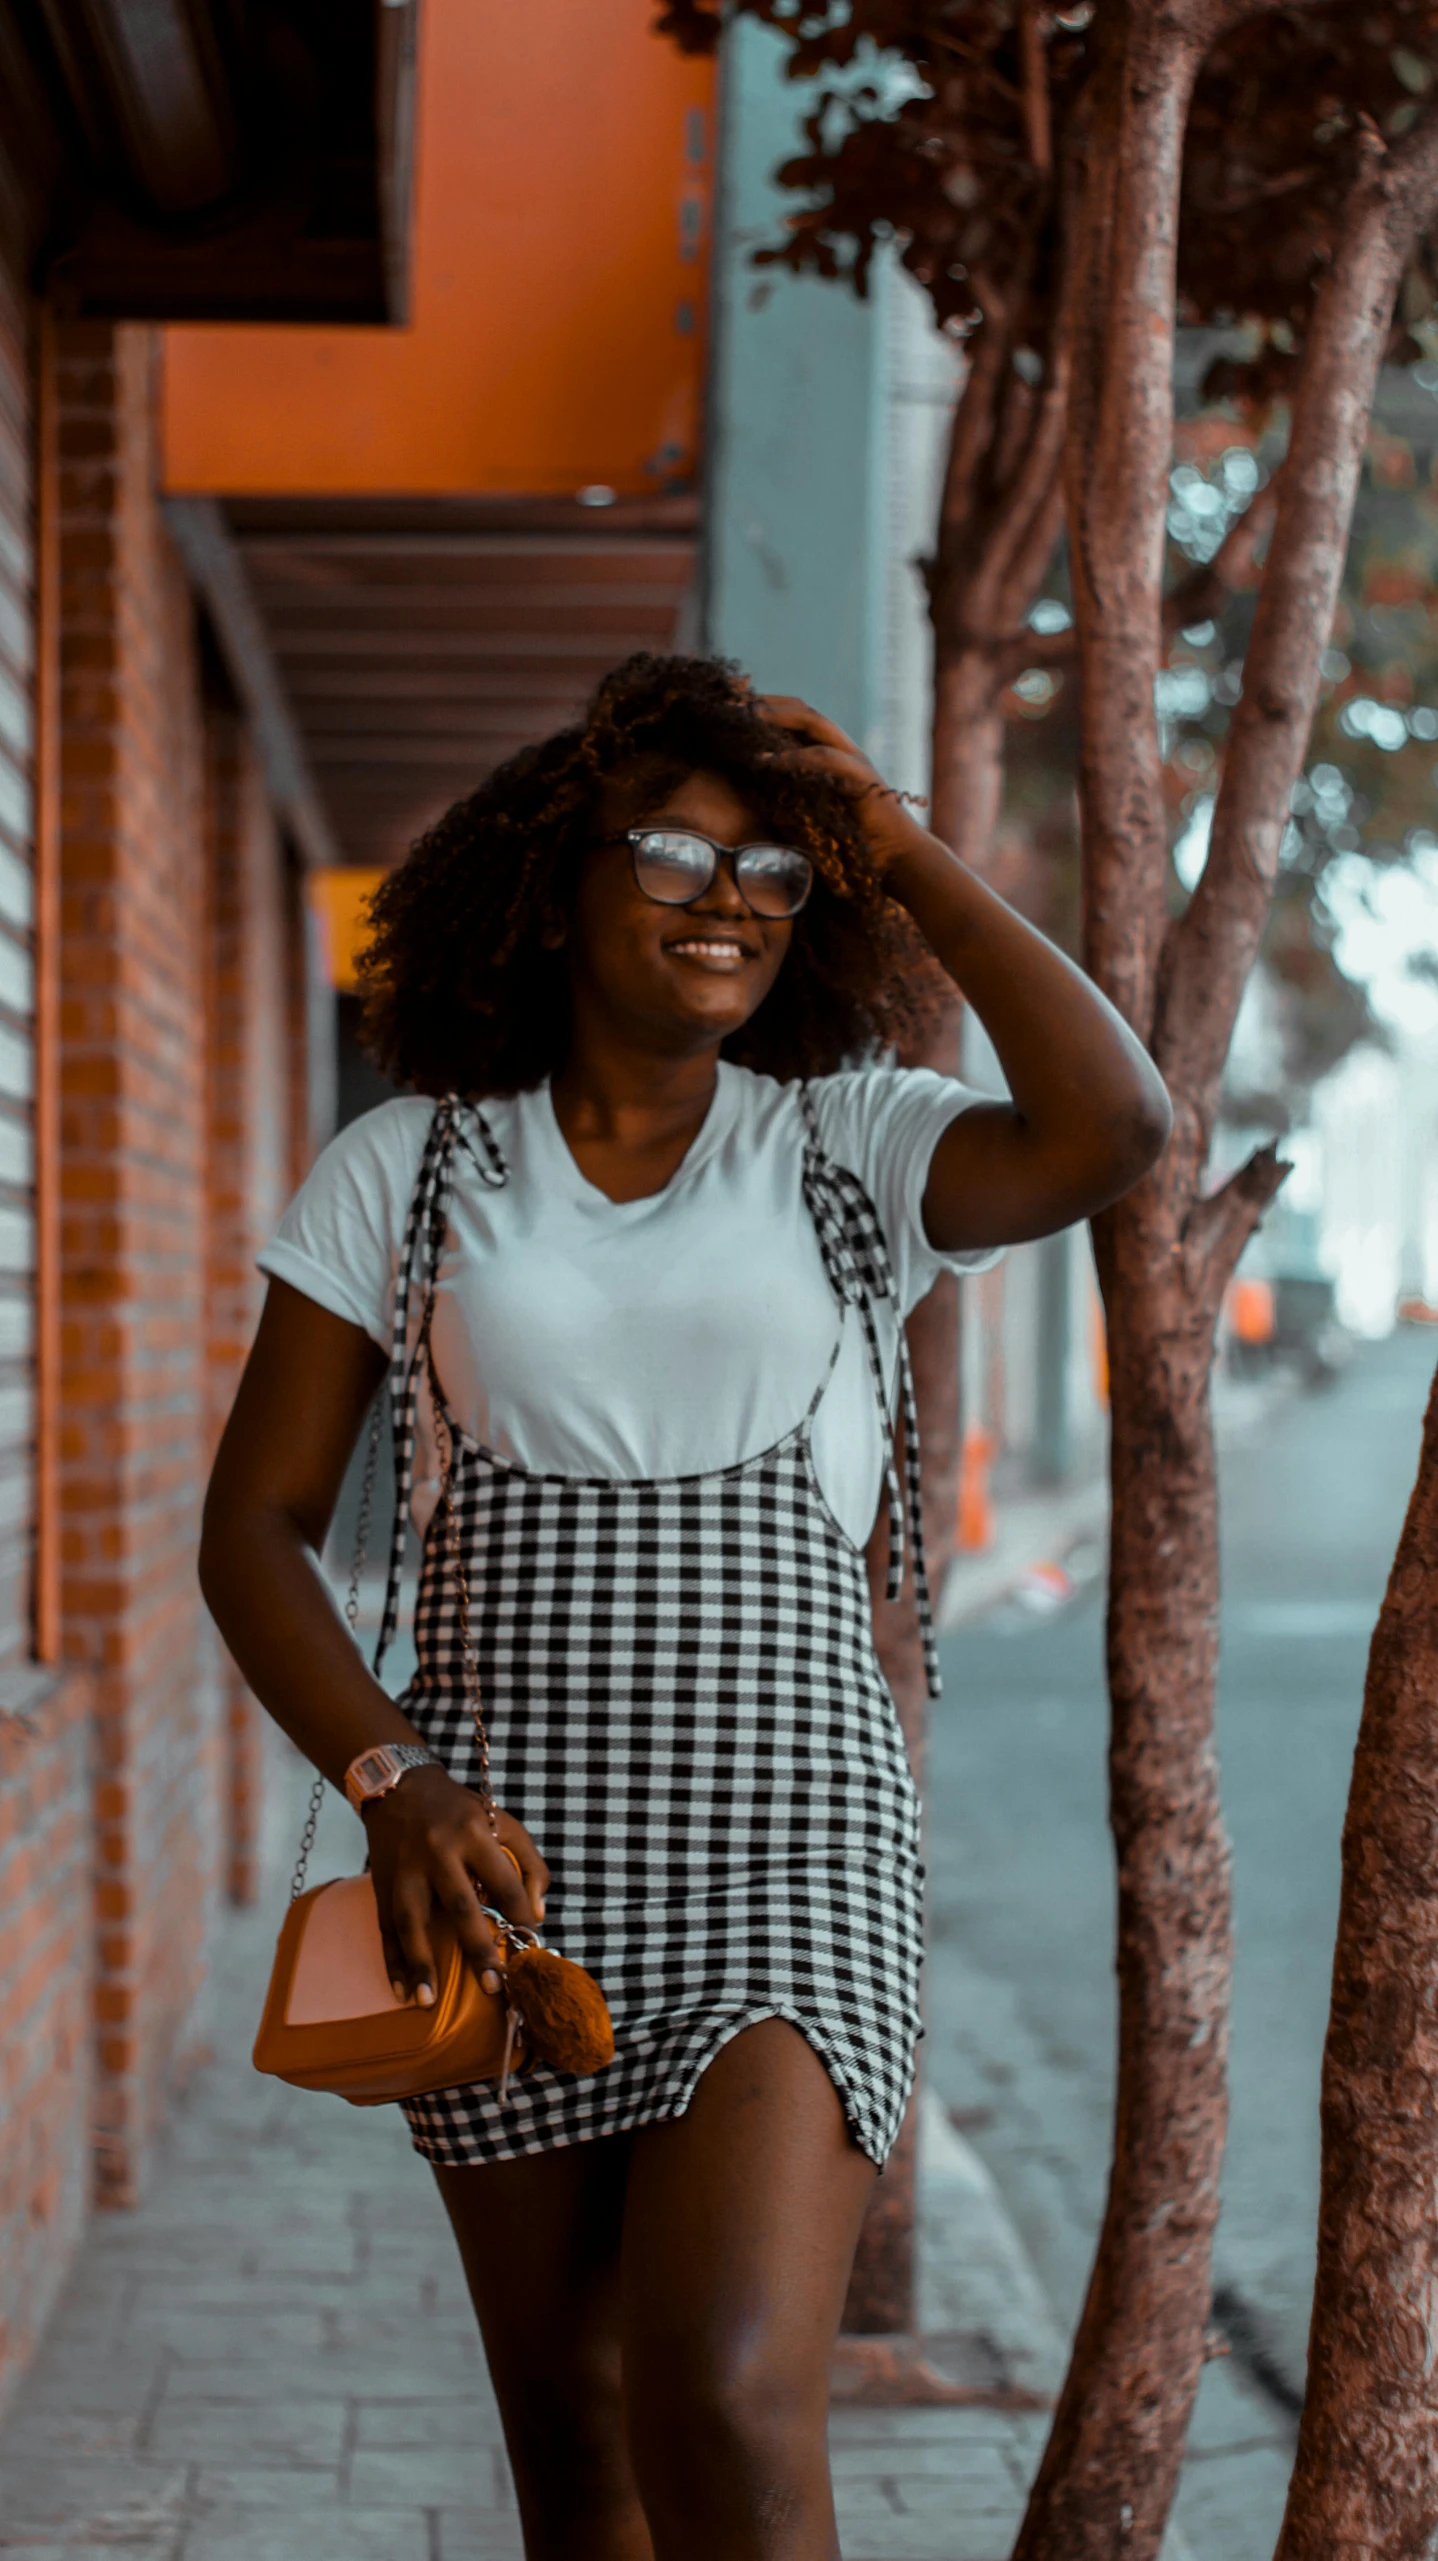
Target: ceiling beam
<point>217,574</point>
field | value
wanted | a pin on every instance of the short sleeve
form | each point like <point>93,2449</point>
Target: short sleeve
<point>884,1124</point>
<point>339,1241</point>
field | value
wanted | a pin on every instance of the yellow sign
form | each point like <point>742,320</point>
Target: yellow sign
<point>340,899</point>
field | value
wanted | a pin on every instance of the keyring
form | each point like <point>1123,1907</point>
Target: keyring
<point>512,1929</point>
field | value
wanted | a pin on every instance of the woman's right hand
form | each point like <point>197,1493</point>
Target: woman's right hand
<point>431,1844</point>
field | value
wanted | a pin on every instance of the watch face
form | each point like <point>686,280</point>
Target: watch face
<point>375,1772</point>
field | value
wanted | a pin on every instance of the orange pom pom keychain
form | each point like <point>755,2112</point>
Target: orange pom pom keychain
<point>563,2013</point>
<point>557,2013</point>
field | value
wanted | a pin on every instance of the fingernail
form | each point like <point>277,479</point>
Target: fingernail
<point>490,1980</point>
<point>539,1906</point>
<point>398,1989</point>
<point>425,1996</point>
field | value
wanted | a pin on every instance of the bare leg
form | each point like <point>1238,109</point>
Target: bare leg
<point>540,2241</point>
<point>739,2233</point>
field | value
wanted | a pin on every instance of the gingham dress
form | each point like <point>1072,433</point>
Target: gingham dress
<point>686,1711</point>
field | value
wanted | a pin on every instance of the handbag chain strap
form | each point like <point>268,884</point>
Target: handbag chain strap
<point>352,1602</point>
<point>454,1552</point>
<point>469,1656</point>
<point>440,1143</point>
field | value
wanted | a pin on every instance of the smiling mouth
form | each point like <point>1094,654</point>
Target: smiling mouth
<point>713,951</point>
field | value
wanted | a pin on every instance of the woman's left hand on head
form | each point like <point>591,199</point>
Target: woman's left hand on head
<point>822,747</point>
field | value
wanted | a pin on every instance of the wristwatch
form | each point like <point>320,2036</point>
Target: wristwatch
<point>375,1772</point>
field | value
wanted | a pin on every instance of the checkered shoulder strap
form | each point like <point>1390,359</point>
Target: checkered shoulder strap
<point>455,1124</point>
<point>856,1258</point>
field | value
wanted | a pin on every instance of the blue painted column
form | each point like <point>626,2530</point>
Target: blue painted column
<point>794,519</point>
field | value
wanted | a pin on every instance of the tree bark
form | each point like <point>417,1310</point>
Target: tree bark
<point>1165,1253</point>
<point>1108,2474</point>
<point>967,789</point>
<point>1000,517</point>
<point>1365,2484</point>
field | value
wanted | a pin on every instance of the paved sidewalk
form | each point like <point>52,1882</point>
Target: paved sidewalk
<point>273,2359</point>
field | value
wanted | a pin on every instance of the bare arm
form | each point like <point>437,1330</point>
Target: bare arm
<point>1089,1114</point>
<point>277,1475</point>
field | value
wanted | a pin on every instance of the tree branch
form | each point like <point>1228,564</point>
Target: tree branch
<point>1038,118</point>
<point>972,433</point>
<point>1033,503</point>
<point>1119,450</point>
<point>1218,1227</point>
<point>1211,947</point>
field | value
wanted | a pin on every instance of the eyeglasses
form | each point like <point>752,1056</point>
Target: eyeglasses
<point>674,866</point>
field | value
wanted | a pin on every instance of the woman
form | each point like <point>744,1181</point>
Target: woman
<point>645,1271</point>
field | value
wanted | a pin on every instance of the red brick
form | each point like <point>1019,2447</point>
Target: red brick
<point>180,1018</point>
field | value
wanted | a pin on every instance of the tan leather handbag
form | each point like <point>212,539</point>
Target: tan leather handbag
<point>331,2019</point>
<point>332,2022</point>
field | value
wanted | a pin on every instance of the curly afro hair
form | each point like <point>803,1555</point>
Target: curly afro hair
<point>461,993</point>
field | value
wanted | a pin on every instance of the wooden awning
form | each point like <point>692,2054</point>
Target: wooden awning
<point>418,644</point>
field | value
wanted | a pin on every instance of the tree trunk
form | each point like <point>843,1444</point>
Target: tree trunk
<point>1365,2485</point>
<point>1109,2470</point>
<point>968,763</point>
<point>1111,2466</point>
<point>1166,1252</point>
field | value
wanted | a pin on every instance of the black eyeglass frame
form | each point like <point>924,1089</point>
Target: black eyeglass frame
<point>631,837</point>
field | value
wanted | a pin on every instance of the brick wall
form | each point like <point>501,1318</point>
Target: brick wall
<point>129,1774</point>
<point>17,976</point>
<point>133,908</point>
<point>46,1931</point>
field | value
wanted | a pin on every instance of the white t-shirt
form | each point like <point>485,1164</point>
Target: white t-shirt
<point>650,1338</point>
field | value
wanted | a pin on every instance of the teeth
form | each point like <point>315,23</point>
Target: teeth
<point>725,949</point>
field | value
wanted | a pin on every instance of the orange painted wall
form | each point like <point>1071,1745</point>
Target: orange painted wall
<point>565,157</point>
<point>339,894</point>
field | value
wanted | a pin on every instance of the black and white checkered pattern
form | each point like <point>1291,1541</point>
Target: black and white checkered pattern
<point>685,1709</point>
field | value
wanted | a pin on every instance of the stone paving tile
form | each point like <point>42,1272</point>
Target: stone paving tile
<point>965,2465</point>
<point>144,2547</point>
<point>330,2375</point>
<point>286,2487</point>
<point>108,2496</point>
<point>993,2495</point>
<point>917,2539</point>
<point>209,2331</point>
<point>402,2426</point>
<point>967,2425</point>
<point>860,2502</point>
<point>190,2430</point>
<point>58,2436</point>
<point>461,2536</point>
<point>260,2534</point>
<point>431,2476</point>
